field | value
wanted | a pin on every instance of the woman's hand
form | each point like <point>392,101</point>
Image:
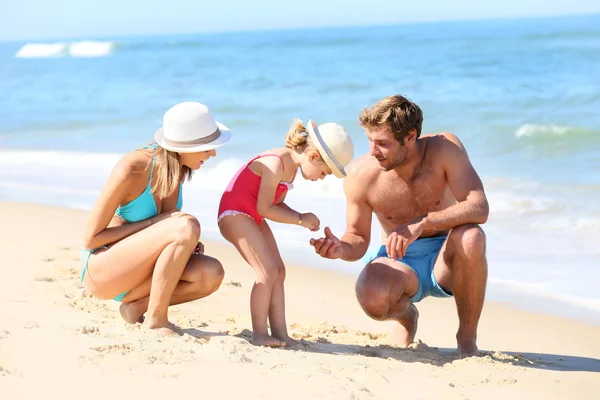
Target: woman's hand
<point>165,215</point>
<point>199,248</point>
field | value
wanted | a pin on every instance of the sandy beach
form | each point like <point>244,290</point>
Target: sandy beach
<point>57,341</point>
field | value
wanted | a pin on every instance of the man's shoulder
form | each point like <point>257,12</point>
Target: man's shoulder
<point>442,142</point>
<point>363,169</point>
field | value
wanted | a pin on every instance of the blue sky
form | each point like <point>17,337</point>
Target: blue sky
<point>46,19</point>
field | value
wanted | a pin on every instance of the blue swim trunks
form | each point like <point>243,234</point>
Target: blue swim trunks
<point>420,257</point>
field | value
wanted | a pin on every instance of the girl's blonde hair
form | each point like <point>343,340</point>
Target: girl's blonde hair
<point>169,172</point>
<point>297,138</point>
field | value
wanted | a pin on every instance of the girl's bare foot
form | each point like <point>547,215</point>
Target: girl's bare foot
<point>132,312</point>
<point>267,341</point>
<point>289,342</point>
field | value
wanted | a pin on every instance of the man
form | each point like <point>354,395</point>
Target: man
<point>429,201</point>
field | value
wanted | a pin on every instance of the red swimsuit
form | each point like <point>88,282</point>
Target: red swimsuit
<point>241,194</point>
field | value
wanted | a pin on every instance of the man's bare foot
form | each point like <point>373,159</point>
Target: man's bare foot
<point>405,330</point>
<point>267,341</point>
<point>467,348</point>
<point>289,342</point>
<point>132,312</point>
<point>162,327</point>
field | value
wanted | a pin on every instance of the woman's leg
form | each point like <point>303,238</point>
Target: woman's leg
<point>201,277</point>
<point>246,236</point>
<point>160,251</point>
<point>277,308</point>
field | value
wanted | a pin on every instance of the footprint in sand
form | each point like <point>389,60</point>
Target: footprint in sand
<point>123,348</point>
<point>368,352</point>
<point>31,324</point>
<point>4,371</point>
<point>87,330</point>
<point>44,279</point>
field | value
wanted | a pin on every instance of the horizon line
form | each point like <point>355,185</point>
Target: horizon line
<point>298,28</point>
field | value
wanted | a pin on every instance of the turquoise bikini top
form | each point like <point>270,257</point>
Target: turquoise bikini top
<point>144,206</point>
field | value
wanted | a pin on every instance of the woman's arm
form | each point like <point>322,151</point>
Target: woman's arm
<point>98,233</point>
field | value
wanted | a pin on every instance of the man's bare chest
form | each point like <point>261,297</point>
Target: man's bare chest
<point>399,201</point>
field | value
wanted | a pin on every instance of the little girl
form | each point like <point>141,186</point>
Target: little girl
<point>257,193</point>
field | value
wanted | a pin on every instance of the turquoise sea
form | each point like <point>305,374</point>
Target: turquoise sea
<point>523,96</point>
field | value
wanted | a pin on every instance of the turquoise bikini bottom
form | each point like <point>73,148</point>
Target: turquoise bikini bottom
<point>85,257</point>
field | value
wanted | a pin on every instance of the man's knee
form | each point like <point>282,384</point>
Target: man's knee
<point>372,292</point>
<point>468,239</point>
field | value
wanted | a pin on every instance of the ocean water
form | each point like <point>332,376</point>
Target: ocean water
<point>522,95</point>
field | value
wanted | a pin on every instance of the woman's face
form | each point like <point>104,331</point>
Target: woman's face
<point>195,160</point>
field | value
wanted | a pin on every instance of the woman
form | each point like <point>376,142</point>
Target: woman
<point>140,248</point>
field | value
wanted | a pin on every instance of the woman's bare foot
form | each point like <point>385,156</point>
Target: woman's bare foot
<point>267,341</point>
<point>133,312</point>
<point>405,330</point>
<point>289,342</point>
<point>162,327</point>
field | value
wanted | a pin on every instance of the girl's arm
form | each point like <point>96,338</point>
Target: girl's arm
<point>272,173</point>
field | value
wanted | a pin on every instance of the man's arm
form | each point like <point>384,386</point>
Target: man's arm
<point>359,214</point>
<point>466,186</point>
<point>355,241</point>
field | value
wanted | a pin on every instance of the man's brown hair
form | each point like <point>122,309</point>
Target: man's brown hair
<point>397,112</point>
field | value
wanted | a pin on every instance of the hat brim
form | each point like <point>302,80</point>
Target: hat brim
<point>326,154</point>
<point>223,138</point>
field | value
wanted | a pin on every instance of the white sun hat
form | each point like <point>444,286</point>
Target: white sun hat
<point>334,144</point>
<point>189,127</point>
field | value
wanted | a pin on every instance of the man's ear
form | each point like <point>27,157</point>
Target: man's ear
<point>411,136</point>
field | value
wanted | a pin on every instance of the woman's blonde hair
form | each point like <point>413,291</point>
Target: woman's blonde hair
<point>169,172</point>
<point>297,138</point>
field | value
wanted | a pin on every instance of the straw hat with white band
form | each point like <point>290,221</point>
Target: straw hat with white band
<point>334,145</point>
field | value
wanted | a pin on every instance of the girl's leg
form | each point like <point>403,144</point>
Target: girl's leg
<point>201,277</point>
<point>246,236</point>
<point>277,308</point>
<point>160,251</point>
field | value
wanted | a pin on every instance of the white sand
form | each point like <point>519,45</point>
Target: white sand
<point>58,342</point>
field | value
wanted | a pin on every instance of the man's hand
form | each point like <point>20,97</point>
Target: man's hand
<point>399,240</point>
<point>329,246</point>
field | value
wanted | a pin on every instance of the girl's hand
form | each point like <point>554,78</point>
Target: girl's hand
<point>310,221</point>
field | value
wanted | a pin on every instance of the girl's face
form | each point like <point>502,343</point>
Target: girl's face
<point>195,160</point>
<point>313,167</point>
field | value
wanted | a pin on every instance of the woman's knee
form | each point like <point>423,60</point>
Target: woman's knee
<point>186,229</point>
<point>211,276</point>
